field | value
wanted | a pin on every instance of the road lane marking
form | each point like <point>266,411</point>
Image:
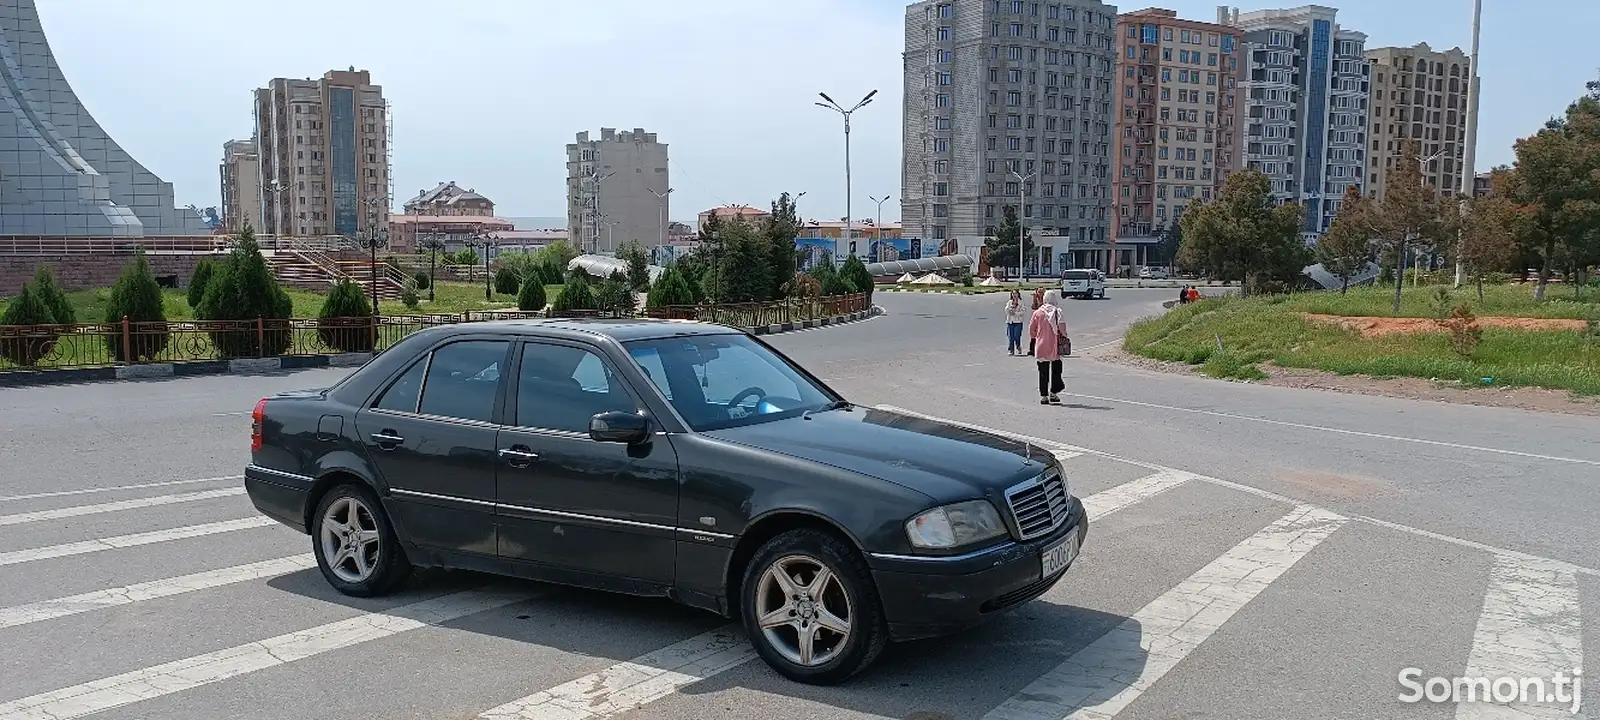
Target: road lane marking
<point>77,510</point>
<point>140,486</point>
<point>138,592</point>
<point>1103,678</point>
<point>153,682</point>
<point>133,540</point>
<point>1268,494</point>
<point>1342,431</point>
<point>1531,627</point>
<point>630,685</point>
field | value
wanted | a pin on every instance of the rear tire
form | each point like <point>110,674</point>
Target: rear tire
<point>779,614</point>
<point>355,544</point>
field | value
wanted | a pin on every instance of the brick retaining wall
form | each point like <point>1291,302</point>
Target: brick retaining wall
<point>85,271</point>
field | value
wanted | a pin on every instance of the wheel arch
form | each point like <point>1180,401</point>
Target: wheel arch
<point>765,527</point>
<point>328,481</point>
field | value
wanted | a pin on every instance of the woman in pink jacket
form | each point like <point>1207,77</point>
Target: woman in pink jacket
<point>1049,328</point>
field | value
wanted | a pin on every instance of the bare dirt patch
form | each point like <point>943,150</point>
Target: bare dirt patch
<point>1523,398</point>
<point>1370,326</point>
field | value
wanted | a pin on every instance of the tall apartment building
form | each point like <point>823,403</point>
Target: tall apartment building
<point>240,172</point>
<point>1179,123</point>
<point>324,148</point>
<point>1419,94</point>
<point>1306,106</point>
<point>996,86</point>
<point>617,189</point>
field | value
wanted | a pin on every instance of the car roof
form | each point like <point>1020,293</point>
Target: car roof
<point>619,329</point>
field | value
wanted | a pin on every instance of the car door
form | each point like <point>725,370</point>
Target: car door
<point>431,436</point>
<point>604,510</point>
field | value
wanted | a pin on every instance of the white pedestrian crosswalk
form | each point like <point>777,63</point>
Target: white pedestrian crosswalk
<point>1530,624</point>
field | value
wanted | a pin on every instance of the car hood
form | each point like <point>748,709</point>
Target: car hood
<point>947,462</point>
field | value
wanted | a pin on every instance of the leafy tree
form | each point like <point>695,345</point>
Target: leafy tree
<point>1171,240</point>
<point>1556,185</point>
<point>20,343</point>
<point>203,272</point>
<point>1241,234</point>
<point>559,254</point>
<point>137,296</point>
<point>856,272</point>
<point>420,279</point>
<point>638,275</point>
<point>531,298</point>
<point>575,295</point>
<point>740,270</point>
<point>1408,217</point>
<point>506,280</point>
<point>243,290</point>
<point>1003,246</point>
<point>615,295</point>
<point>670,289</point>
<point>408,294</point>
<point>1489,230</point>
<point>1347,246</point>
<point>830,280</point>
<point>780,229</point>
<point>344,322</point>
<point>53,297</point>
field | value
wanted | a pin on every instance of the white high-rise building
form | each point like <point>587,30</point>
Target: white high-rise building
<point>617,190</point>
<point>1306,93</point>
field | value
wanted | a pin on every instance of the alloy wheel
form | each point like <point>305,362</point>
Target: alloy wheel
<point>803,610</point>
<point>350,539</point>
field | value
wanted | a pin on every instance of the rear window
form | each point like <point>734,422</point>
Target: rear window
<point>1077,274</point>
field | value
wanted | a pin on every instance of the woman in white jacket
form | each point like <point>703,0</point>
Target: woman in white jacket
<point>1016,315</point>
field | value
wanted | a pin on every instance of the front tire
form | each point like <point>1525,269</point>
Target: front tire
<point>811,609</point>
<point>355,545</point>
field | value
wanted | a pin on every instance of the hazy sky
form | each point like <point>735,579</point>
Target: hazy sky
<point>487,93</point>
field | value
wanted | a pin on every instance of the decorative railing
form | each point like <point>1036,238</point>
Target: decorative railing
<point>48,347</point>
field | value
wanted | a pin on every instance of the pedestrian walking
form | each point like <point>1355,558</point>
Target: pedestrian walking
<point>1016,315</point>
<point>1038,300</point>
<point>1049,329</point>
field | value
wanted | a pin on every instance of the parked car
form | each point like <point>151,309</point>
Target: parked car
<point>1086,283</point>
<point>1154,272</point>
<point>664,458</point>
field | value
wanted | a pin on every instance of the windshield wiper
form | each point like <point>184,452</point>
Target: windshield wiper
<point>835,405</point>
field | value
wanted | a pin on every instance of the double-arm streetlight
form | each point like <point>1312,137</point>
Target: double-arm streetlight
<point>1022,225</point>
<point>484,240</point>
<point>662,196</point>
<point>877,224</point>
<point>831,105</point>
<point>375,237</point>
<point>433,244</point>
<point>1469,148</point>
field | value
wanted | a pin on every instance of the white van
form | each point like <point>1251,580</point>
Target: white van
<point>1087,283</point>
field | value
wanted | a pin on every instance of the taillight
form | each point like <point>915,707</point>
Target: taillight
<point>256,417</point>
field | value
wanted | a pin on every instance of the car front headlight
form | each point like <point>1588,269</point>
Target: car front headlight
<point>955,525</point>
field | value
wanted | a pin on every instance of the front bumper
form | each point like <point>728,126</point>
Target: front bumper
<point>931,596</point>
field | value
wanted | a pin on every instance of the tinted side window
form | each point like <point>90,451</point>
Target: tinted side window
<point>463,379</point>
<point>403,395</point>
<point>561,387</point>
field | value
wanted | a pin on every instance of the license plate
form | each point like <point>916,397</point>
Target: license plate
<point>1057,557</point>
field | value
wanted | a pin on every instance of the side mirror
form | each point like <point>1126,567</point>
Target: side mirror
<point>620,427</point>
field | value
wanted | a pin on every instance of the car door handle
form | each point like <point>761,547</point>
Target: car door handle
<point>386,439</point>
<point>518,457</point>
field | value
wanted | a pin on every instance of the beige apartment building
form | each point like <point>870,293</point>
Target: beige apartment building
<point>617,190</point>
<point>1178,121</point>
<point>1419,93</point>
<point>324,149</point>
<point>240,172</point>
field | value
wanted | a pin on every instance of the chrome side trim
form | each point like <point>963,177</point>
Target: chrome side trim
<point>561,514</point>
<point>447,498</point>
<point>944,558</point>
<point>252,467</point>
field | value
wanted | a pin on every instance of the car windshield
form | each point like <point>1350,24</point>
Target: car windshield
<point>722,381</point>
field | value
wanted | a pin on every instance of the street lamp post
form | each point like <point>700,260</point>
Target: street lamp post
<point>878,223</point>
<point>484,240</point>
<point>1422,179</point>
<point>1022,228</point>
<point>1470,145</point>
<point>598,179</point>
<point>796,204</point>
<point>849,216</point>
<point>375,237</point>
<point>433,245</point>
<point>662,196</point>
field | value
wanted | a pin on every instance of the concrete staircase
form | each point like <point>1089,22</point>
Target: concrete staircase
<point>313,269</point>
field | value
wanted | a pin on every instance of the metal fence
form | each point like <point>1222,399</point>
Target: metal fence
<point>36,347</point>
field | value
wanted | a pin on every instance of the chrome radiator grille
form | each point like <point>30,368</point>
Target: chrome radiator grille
<point>1038,505</point>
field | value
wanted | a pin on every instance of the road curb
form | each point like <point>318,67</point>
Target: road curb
<point>780,328</point>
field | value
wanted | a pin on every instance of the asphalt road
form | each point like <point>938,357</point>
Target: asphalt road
<point>1256,552</point>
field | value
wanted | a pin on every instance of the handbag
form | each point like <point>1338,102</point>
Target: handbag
<point>1063,345</point>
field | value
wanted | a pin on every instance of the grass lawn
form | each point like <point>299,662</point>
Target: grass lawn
<point>449,297</point>
<point>1273,329</point>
